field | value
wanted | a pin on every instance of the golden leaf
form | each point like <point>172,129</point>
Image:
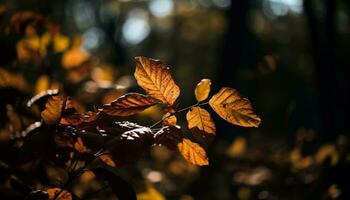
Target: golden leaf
<point>42,84</point>
<point>200,124</point>
<point>230,106</point>
<point>202,90</point>
<point>169,120</point>
<point>9,79</point>
<point>129,104</point>
<point>155,78</point>
<point>193,152</point>
<point>107,158</point>
<point>74,58</point>
<point>64,195</point>
<point>150,194</point>
<point>60,43</point>
<point>53,109</point>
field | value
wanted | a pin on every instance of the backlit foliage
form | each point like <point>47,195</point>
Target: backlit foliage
<point>57,126</point>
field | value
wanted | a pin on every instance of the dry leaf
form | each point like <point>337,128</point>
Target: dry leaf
<point>155,78</point>
<point>169,120</point>
<point>80,147</point>
<point>201,124</point>
<point>169,136</point>
<point>193,152</point>
<point>53,109</point>
<point>129,104</point>
<point>230,106</point>
<point>64,195</point>
<point>202,90</point>
<point>107,158</point>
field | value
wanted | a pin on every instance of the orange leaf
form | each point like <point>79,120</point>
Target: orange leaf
<point>193,152</point>
<point>107,158</point>
<point>80,147</point>
<point>230,106</point>
<point>169,120</point>
<point>129,104</point>
<point>64,195</point>
<point>155,78</point>
<point>53,109</point>
<point>202,90</point>
<point>201,124</point>
<point>74,58</point>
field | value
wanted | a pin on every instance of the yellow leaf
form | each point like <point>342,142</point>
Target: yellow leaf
<point>327,151</point>
<point>74,58</point>
<point>53,109</point>
<point>202,90</point>
<point>169,120</point>
<point>155,78</point>
<point>230,106</point>
<point>193,152</point>
<point>201,124</point>
<point>60,43</point>
<point>64,195</point>
<point>129,104</point>
<point>238,147</point>
<point>150,194</point>
<point>42,84</point>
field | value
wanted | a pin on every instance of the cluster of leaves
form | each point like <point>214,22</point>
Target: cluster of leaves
<point>50,126</point>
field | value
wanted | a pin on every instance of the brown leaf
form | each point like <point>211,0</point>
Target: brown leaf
<point>9,79</point>
<point>42,95</point>
<point>53,109</point>
<point>80,146</point>
<point>202,90</point>
<point>107,158</point>
<point>64,195</point>
<point>169,120</point>
<point>155,78</point>
<point>230,106</point>
<point>129,104</point>
<point>201,124</point>
<point>193,152</point>
<point>169,136</point>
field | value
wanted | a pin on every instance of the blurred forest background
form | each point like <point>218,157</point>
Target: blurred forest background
<point>291,58</point>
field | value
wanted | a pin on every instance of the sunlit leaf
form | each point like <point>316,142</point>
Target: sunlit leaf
<point>60,43</point>
<point>129,104</point>
<point>201,124</point>
<point>169,120</point>
<point>74,58</point>
<point>42,95</point>
<point>193,152</point>
<point>155,78</point>
<point>202,90</point>
<point>53,109</point>
<point>150,194</point>
<point>64,195</point>
<point>229,105</point>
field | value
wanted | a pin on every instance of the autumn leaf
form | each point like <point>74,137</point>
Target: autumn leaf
<point>107,158</point>
<point>230,106</point>
<point>155,78</point>
<point>193,152</point>
<point>64,195</point>
<point>200,124</point>
<point>74,58</point>
<point>80,146</point>
<point>150,194</point>
<point>53,109</point>
<point>169,120</point>
<point>202,90</point>
<point>129,104</point>
<point>42,95</point>
<point>169,136</point>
